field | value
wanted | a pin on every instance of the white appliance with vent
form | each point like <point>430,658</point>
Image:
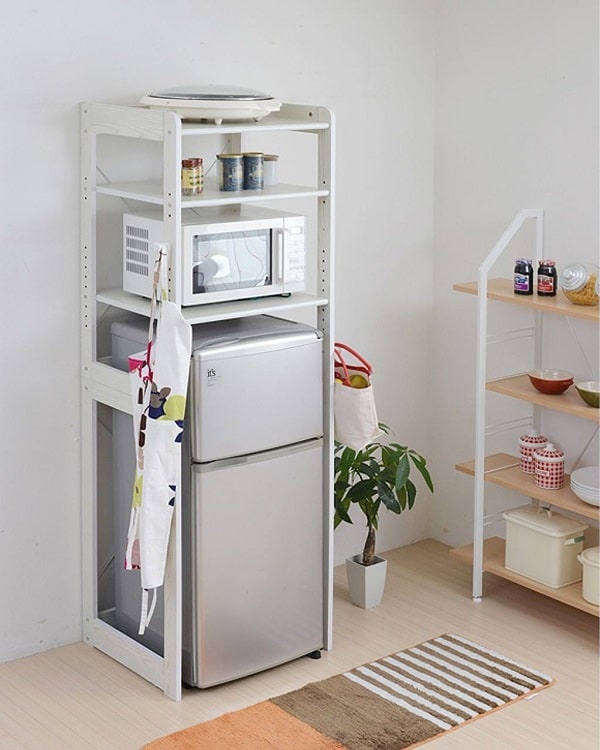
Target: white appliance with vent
<point>227,254</point>
<point>253,510</point>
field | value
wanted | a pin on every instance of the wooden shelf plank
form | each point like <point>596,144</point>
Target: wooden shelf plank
<point>569,402</point>
<point>493,562</point>
<point>503,469</point>
<point>502,290</point>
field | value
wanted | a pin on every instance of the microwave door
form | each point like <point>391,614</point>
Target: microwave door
<point>231,261</point>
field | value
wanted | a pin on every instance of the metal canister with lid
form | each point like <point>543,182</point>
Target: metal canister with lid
<point>549,467</point>
<point>529,443</point>
<point>523,278</point>
<point>547,279</point>
<point>231,172</point>
<point>254,171</point>
<point>579,283</point>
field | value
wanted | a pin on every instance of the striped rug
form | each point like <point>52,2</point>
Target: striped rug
<point>399,701</point>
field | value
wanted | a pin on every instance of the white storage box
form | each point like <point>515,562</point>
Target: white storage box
<point>590,559</point>
<point>543,545</point>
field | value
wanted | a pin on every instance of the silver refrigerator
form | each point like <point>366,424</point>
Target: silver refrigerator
<point>252,498</point>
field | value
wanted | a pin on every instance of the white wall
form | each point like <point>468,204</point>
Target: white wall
<point>372,63</point>
<point>516,104</point>
<point>516,127</point>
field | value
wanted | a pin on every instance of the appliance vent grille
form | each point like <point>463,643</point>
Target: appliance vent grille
<point>137,250</point>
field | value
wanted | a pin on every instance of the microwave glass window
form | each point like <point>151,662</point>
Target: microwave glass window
<point>235,260</point>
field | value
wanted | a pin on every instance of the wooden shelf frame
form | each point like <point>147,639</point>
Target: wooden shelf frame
<point>502,290</point>
<point>501,468</point>
<point>493,562</point>
<point>569,402</point>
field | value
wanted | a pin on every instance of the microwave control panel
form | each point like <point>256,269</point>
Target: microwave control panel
<point>295,254</point>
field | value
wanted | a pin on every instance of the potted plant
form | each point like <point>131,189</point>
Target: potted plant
<point>376,476</point>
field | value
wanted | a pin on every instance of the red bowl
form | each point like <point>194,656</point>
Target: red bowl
<point>551,381</point>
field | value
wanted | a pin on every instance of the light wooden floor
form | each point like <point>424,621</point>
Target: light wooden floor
<point>76,697</point>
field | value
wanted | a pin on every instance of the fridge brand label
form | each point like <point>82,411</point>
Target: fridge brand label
<point>212,378</point>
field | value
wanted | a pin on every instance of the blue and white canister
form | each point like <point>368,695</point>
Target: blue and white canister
<point>254,165</point>
<point>231,172</point>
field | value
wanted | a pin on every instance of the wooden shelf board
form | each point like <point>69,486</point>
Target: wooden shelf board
<point>502,290</point>
<point>493,562</point>
<point>503,469</point>
<point>569,402</point>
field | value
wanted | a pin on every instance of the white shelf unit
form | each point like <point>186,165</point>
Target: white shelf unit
<point>502,469</point>
<point>104,385</point>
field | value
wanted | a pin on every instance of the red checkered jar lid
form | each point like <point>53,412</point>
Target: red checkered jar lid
<point>532,439</point>
<point>550,453</point>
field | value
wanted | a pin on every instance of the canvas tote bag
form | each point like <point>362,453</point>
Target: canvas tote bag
<point>354,411</point>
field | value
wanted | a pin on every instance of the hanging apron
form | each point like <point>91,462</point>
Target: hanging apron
<point>158,379</point>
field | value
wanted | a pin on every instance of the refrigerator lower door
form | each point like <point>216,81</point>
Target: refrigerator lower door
<point>256,572</point>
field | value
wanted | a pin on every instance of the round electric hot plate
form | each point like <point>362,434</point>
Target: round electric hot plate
<point>214,102</point>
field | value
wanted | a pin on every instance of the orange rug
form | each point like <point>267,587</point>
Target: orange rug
<point>394,703</point>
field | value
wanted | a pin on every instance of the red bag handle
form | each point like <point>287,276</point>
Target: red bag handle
<point>339,361</point>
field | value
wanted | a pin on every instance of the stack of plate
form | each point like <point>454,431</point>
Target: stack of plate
<point>585,483</point>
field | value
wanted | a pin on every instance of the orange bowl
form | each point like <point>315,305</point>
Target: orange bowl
<point>551,381</point>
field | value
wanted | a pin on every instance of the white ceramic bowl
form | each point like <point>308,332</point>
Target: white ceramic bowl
<point>587,477</point>
<point>589,499</point>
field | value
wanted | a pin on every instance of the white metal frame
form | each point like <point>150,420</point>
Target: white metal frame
<point>102,384</point>
<point>481,430</point>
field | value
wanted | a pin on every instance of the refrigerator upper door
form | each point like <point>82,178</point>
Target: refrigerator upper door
<point>257,392</point>
<point>255,383</point>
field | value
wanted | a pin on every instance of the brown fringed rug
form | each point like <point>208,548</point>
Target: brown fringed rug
<point>400,701</point>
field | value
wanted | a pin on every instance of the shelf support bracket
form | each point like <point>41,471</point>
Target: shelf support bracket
<point>481,373</point>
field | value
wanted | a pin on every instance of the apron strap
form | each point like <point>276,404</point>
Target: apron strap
<point>145,614</point>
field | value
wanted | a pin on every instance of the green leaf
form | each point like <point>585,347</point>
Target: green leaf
<point>411,492</point>
<point>346,459</point>
<point>361,490</point>
<point>341,514</point>
<point>388,498</point>
<point>421,465</point>
<point>402,472</point>
<point>401,494</point>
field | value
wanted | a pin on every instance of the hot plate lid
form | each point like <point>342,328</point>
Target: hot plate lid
<point>214,102</point>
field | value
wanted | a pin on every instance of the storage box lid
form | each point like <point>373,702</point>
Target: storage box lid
<point>591,555</point>
<point>545,521</point>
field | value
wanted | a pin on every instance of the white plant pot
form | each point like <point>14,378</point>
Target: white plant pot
<point>366,582</point>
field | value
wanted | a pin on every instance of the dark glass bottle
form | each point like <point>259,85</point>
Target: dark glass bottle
<point>547,279</point>
<point>523,276</point>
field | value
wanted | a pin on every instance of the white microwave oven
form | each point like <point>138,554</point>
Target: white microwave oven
<point>225,255</point>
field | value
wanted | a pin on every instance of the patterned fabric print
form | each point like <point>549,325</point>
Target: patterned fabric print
<point>549,475</point>
<point>158,379</point>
